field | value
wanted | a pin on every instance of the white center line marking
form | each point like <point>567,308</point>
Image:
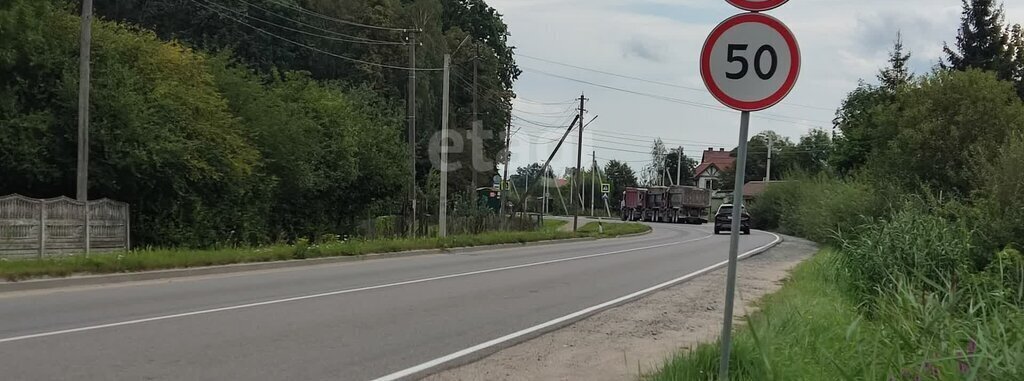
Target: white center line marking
<point>332,293</point>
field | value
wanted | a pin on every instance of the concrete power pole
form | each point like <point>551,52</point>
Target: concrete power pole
<point>476,118</point>
<point>593,181</point>
<point>412,133</point>
<point>544,196</point>
<point>442,213</point>
<point>526,195</point>
<point>82,181</point>
<point>768,170</point>
<point>679,166</point>
<point>508,160</point>
<point>579,162</point>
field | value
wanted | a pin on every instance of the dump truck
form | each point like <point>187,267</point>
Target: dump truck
<point>657,204</point>
<point>632,204</point>
<point>687,204</point>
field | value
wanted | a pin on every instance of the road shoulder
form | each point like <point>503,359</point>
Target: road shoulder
<point>637,338</point>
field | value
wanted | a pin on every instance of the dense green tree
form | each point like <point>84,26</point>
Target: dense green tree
<point>672,162</point>
<point>812,153</point>
<point>620,176</point>
<point>1017,64</point>
<point>898,73</point>
<point>317,143</point>
<point>864,118</point>
<point>530,173</point>
<point>947,124</point>
<point>981,42</point>
<point>357,55</point>
<point>206,150</point>
<point>161,136</point>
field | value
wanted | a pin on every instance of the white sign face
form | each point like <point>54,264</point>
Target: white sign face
<point>750,62</point>
<point>756,5</point>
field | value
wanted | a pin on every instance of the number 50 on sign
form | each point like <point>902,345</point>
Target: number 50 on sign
<point>750,62</point>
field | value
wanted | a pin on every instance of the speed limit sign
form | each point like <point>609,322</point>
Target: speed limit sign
<point>756,5</point>
<point>750,61</point>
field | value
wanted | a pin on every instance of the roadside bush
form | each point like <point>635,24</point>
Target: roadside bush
<point>818,207</point>
<point>943,125</point>
<point>776,201</point>
<point>912,245</point>
<point>1001,199</point>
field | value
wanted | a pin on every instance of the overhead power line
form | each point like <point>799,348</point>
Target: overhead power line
<point>762,115</point>
<point>649,138</point>
<point>346,22</point>
<point>539,103</point>
<point>704,91</point>
<point>546,114</point>
<point>343,38</point>
<point>318,50</point>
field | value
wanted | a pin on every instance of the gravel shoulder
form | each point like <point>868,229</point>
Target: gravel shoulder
<point>637,338</point>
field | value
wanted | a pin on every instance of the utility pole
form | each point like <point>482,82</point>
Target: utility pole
<point>526,195</point>
<point>442,214</point>
<point>544,168</point>
<point>593,181</point>
<point>768,170</point>
<point>84,73</point>
<point>679,166</point>
<point>579,161</point>
<point>476,118</point>
<point>544,196</point>
<point>412,133</point>
<point>508,159</point>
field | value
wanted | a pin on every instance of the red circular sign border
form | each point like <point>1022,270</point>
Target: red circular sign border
<point>748,5</point>
<point>775,98</point>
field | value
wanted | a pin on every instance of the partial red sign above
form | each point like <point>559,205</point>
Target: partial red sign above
<point>756,5</point>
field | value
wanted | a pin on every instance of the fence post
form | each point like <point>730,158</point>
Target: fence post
<point>127,227</point>
<point>42,228</point>
<point>86,227</point>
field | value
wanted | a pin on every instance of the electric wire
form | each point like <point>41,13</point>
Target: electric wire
<point>318,50</point>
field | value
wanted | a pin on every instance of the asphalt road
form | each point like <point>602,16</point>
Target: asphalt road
<point>350,321</point>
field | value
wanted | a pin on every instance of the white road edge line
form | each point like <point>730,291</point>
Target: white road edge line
<point>332,293</point>
<point>567,318</point>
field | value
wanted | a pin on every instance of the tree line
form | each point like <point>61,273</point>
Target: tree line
<point>219,133</point>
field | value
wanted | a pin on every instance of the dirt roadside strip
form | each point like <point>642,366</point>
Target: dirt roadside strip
<point>637,338</point>
<point>92,280</point>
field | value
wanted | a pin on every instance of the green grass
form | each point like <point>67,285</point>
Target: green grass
<point>161,259</point>
<point>553,225</point>
<point>812,329</point>
<point>797,334</point>
<point>613,229</point>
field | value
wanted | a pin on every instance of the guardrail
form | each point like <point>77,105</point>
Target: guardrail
<point>60,226</point>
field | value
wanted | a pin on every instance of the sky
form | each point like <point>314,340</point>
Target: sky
<point>841,42</point>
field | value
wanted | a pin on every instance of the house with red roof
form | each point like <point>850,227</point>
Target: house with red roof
<point>707,175</point>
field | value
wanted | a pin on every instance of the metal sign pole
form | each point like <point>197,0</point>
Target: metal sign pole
<point>734,242</point>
